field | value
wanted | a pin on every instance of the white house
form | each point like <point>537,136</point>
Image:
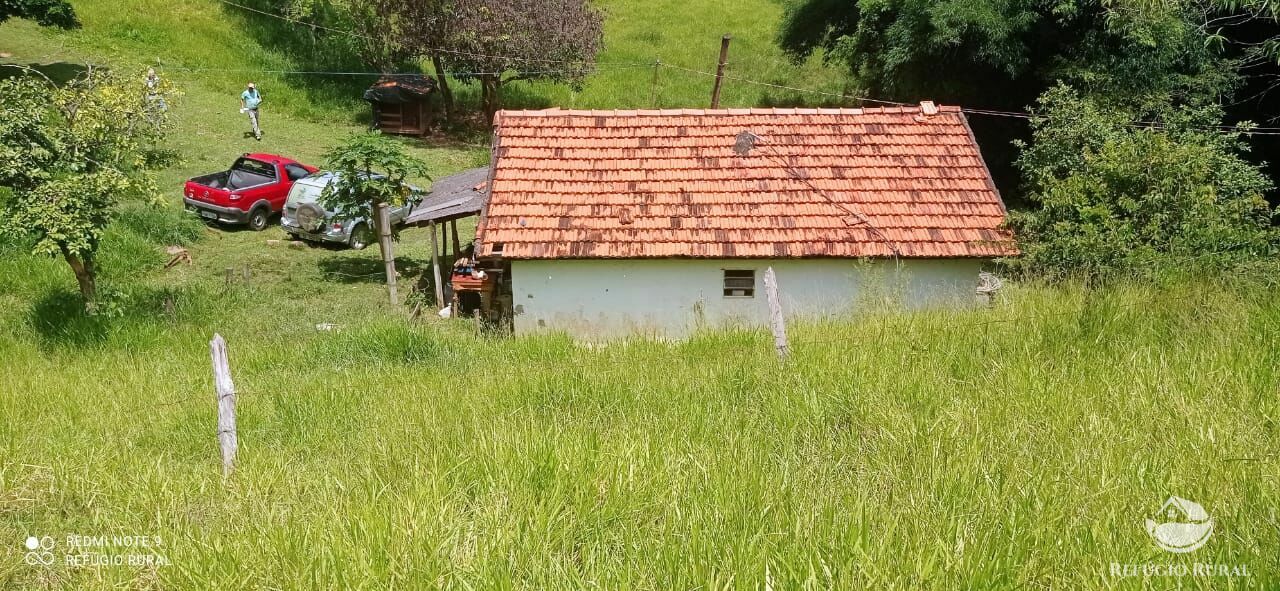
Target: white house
<point>615,222</point>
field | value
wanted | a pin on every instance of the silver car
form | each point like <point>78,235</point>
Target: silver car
<point>304,218</point>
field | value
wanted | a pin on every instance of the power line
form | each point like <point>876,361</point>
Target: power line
<point>618,66</point>
<point>970,111</point>
<point>784,87</point>
<point>430,49</point>
<point>752,140</point>
<point>987,112</point>
<point>378,74</point>
<point>1138,125</point>
<point>1266,131</point>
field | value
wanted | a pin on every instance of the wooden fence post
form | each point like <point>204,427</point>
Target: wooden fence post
<point>776,323</point>
<point>389,257</point>
<point>724,59</point>
<point>653,87</point>
<point>226,392</point>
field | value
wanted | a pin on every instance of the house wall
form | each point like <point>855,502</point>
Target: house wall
<point>672,297</point>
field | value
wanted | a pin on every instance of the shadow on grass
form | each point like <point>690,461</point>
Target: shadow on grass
<point>59,321</point>
<point>311,50</point>
<point>59,72</point>
<point>347,269</point>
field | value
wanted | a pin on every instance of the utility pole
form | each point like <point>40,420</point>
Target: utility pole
<point>724,56</point>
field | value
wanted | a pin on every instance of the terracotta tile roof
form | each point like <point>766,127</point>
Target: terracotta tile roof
<point>818,182</point>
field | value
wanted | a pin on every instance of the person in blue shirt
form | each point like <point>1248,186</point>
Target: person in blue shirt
<point>249,101</point>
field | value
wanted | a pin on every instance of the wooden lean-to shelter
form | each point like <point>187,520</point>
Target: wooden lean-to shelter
<point>452,198</point>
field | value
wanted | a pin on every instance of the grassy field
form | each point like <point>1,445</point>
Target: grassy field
<point>1017,447</point>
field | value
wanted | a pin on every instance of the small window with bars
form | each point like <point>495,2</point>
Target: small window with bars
<point>739,283</point>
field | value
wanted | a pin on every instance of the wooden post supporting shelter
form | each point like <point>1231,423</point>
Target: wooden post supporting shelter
<point>776,323</point>
<point>724,57</point>
<point>388,257</point>
<point>457,242</point>
<point>226,399</point>
<point>435,266</point>
<point>444,240</point>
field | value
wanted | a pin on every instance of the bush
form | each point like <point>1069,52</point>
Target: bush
<point>160,225</point>
<point>1119,197</point>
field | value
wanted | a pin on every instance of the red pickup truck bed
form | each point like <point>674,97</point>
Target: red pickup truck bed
<point>250,192</point>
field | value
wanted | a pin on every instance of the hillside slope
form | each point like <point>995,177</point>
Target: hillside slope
<point>218,46</point>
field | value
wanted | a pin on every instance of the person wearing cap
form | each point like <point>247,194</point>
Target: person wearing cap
<point>154,96</point>
<point>249,101</point>
<point>155,99</point>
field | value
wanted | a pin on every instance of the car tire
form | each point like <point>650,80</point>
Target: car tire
<point>360,237</point>
<point>258,219</point>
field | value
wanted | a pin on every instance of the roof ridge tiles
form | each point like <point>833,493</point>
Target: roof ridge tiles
<point>729,112</point>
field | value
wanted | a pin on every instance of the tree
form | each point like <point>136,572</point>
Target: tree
<point>952,50</point>
<point>372,171</point>
<point>1003,54</point>
<point>67,155</point>
<point>394,31</point>
<point>48,13</point>
<point>499,41</point>
<point>1118,196</point>
<point>490,42</point>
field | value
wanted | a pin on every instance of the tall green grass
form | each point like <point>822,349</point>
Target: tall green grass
<point>1010,448</point>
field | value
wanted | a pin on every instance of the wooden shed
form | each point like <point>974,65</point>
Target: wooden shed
<point>402,104</point>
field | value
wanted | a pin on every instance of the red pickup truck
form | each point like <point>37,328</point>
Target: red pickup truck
<point>250,192</point>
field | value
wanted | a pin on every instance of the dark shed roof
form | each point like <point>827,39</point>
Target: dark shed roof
<point>456,196</point>
<point>400,89</point>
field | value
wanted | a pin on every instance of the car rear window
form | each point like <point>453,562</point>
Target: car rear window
<point>257,167</point>
<point>304,192</point>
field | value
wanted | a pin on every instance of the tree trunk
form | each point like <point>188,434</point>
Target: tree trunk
<point>86,277</point>
<point>491,95</point>
<point>446,94</point>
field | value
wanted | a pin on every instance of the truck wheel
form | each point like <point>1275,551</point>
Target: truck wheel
<point>258,219</point>
<point>360,236</point>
